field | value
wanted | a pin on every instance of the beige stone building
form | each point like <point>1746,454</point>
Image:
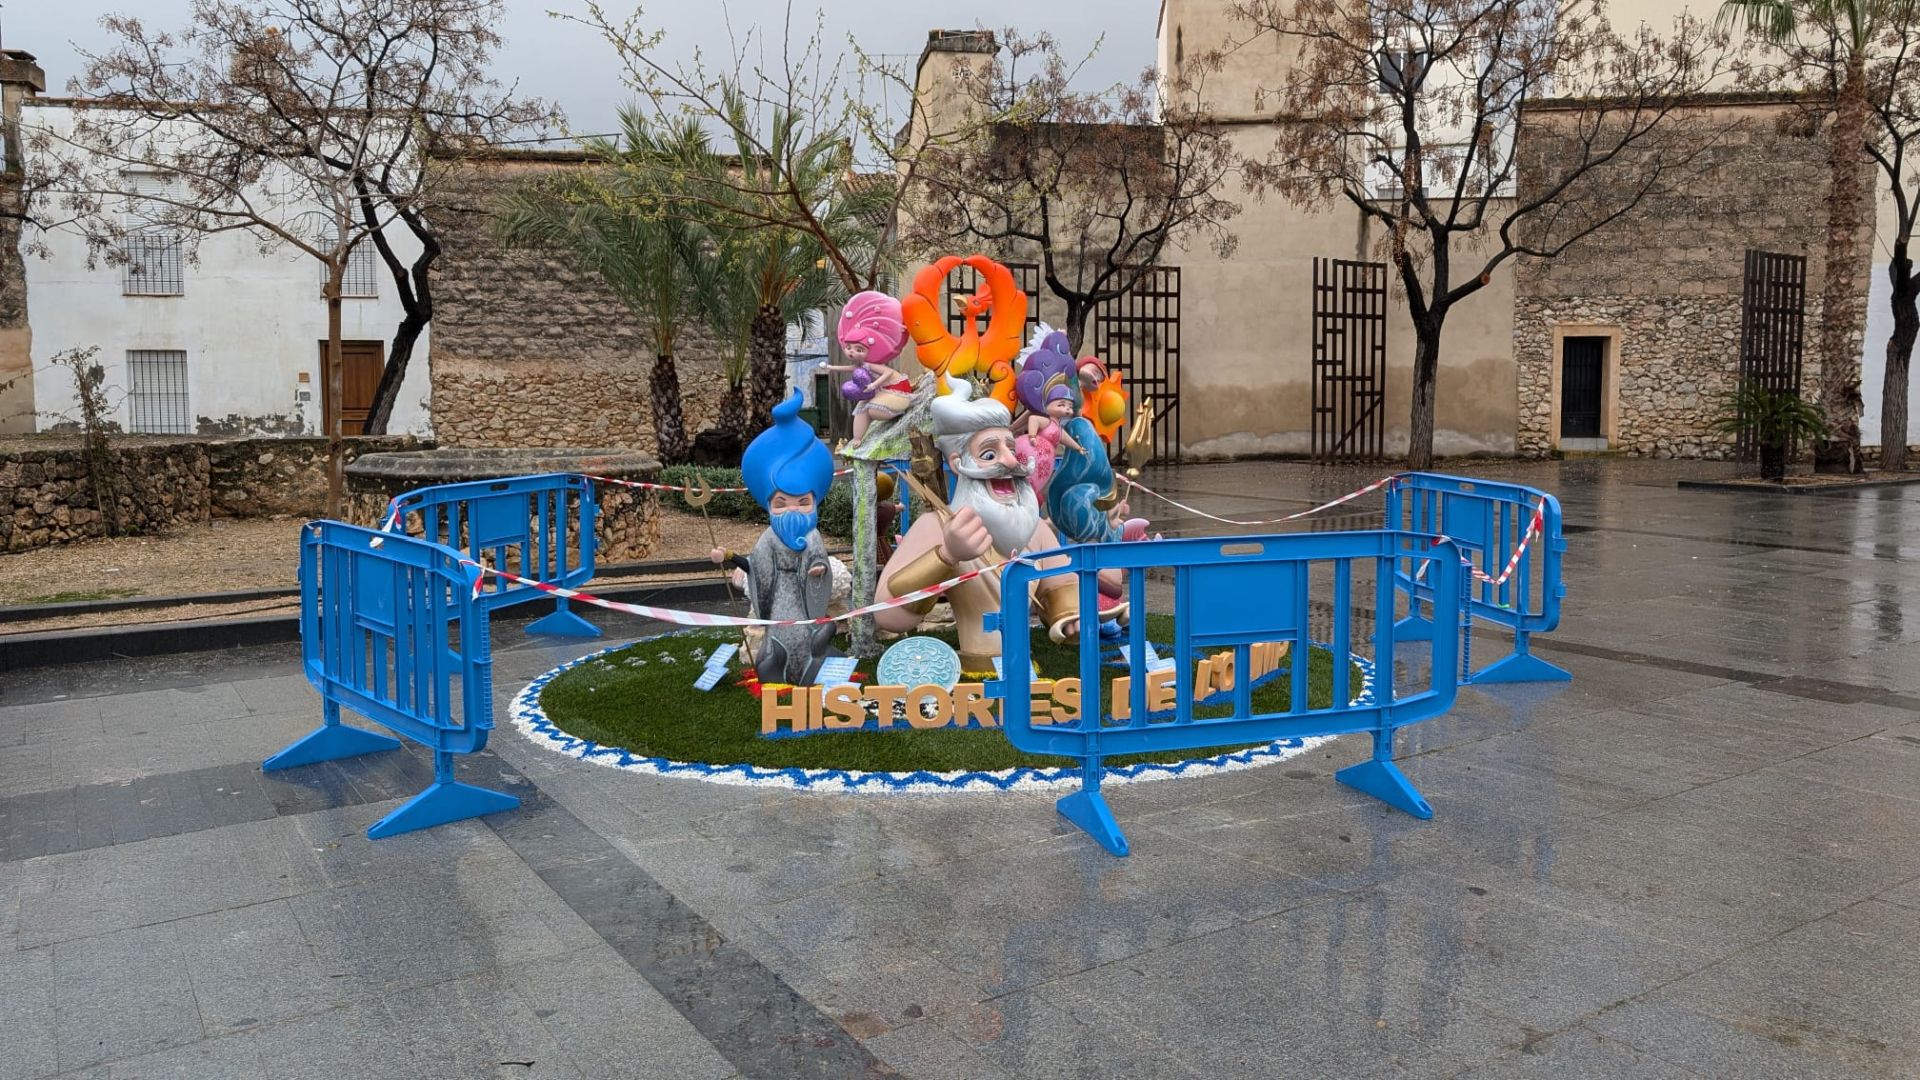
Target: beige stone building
<point>1656,300</point>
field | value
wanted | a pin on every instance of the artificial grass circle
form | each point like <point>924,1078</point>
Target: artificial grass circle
<point>640,699</point>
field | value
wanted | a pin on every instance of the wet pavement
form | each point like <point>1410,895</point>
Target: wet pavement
<point>1700,859</point>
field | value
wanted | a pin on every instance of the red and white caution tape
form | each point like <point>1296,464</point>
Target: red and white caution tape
<point>1535,526</point>
<point>648,485</point>
<point>698,618</point>
<point>1384,481</point>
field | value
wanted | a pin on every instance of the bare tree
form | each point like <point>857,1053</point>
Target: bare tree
<point>1093,184</point>
<point>302,124</point>
<point>806,137</point>
<point>1409,110</point>
<point>1893,80</point>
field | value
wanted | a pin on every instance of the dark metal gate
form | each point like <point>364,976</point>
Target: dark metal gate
<point>1138,335</point>
<point>1773,324</point>
<point>1349,360</point>
<point>1582,371</point>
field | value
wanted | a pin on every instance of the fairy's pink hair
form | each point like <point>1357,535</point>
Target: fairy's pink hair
<point>873,319</point>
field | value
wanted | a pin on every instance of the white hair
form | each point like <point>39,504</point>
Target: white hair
<point>957,418</point>
<point>1011,525</point>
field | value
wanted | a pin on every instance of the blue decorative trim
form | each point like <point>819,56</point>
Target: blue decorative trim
<point>533,722</point>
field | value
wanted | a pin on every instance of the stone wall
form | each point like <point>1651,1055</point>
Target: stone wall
<point>50,493</point>
<point>1668,276</point>
<point>46,488</point>
<point>282,477</point>
<point>531,350</point>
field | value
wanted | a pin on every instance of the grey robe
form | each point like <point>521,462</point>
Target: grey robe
<point>778,588</point>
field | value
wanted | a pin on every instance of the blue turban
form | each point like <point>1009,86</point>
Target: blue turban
<point>787,457</point>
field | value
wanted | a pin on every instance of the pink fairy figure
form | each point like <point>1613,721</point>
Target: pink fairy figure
<point>872,333</point>
<point>1047,389</point>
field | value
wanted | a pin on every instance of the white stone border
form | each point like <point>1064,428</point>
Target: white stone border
<point>532,722</point>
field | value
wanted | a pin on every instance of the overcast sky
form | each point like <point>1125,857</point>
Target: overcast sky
<point>569,64</point>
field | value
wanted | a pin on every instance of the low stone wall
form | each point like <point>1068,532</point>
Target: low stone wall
<point>282,477</point>
<point>52,500</point>
<point>47,495</point>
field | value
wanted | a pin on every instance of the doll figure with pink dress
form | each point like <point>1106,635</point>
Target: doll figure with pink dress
<point>1047,387</point>
<point>872,333</point>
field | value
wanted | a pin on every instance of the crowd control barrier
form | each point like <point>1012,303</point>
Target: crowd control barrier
<point>390,628</point>
<point>539,527</point>
<point>1489,522</point>
<point>1235,594</point>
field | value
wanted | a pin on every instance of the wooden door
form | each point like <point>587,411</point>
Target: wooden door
<point>362,363</point>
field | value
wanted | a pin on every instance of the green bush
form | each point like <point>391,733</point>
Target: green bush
<point>836,514</point>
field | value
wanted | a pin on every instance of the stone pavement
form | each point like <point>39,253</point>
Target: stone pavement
<point>1701,859</point>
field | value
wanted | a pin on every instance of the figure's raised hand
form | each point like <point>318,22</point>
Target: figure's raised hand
<point>718,555</point>
<point>964,536</point>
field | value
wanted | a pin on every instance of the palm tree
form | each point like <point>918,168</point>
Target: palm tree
<point>611,221</point>
<point>787,268</point>
<point>1845,31</point>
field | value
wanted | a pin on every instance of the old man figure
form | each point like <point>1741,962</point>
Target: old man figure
<point>994,515</point>
<point>788,471</point>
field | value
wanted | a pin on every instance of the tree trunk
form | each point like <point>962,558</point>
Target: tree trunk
<point>1906,328</point>
<point>1847,210</point>
<point>414,286</point>
<point>767,359</point>
<point>731,421</point>
<point>669,424</point>
<point>394,374</point>
<point>1426,367</point>
<point>336,394</point>
<point>1076,327</point>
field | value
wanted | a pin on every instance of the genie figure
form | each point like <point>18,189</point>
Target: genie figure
<point>788,471</point>
<point>1082,490</point>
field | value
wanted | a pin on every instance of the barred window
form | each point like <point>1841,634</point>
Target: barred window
<point>152,266</point>
<point>364,267</point>
<point>151,250</point>
<point>157,392</point>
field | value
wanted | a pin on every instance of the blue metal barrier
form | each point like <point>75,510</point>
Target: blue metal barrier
<point>1487,520</point>
<point>525,524</point>
<point>1235,593</point>
<point>390,628</point>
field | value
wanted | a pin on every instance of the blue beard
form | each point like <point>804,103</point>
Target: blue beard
<point>793,527</point>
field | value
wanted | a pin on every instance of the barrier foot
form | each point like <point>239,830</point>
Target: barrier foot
<point>1384,781</point>
<point>563,623</point>
<point>330,742</point>
<point>447,800</point>
<point>1413,628</point>
<point>1088,809</point>
<point>1520,668</point>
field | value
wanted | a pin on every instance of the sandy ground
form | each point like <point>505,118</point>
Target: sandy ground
<point>227,556</point>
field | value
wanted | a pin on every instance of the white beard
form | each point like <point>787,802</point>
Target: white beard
<point>1011,525</point>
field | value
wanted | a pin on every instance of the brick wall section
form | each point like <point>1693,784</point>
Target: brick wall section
<point>1670,276</point>
<point>530,350</point>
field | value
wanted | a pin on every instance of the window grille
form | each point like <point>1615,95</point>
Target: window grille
<point>157,392</point>
<point>364,267</point>
<point>152,252</point>
<point>153,265</point>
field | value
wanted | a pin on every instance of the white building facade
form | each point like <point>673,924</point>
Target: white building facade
<point>209,335</point>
